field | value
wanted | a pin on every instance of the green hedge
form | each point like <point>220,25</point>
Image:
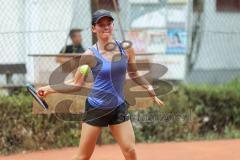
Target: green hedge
<point>195,112</point>
<point>22,130</point>
<point>191,112</point>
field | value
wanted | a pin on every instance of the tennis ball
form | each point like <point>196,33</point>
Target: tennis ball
<point>84,69</point>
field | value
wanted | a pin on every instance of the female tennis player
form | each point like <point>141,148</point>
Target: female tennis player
<point>105,104</point>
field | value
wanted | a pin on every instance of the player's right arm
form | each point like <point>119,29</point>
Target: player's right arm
<point>73,85</point>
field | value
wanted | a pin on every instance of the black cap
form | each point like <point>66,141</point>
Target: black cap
<point>100,14</point>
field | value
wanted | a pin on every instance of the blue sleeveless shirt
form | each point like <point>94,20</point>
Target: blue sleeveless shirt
<point>109,78</point>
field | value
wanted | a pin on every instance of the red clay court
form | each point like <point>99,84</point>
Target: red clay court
<point>198,150</point>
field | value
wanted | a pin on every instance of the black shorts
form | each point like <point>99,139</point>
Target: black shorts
<point>103,117</point>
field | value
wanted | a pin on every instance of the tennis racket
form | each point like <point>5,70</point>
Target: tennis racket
<point>40,101</point>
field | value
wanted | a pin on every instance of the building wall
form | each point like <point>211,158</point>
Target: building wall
<point>220,44</point>
<point>219,52</point>
<point>54,19</point>
<point>11,27</point>
<point>11,35</point>
<point>40,27</point>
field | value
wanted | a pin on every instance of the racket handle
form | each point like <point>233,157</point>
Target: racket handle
<point>41,93</point>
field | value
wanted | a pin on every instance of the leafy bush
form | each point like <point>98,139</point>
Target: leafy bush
<point>22,130</point>
<point>191,112</point>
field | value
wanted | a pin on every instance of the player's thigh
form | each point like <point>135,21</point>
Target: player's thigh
<point>89,135</point>
<point>124,134</point>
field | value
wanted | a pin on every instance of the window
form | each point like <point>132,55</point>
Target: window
<point>228,5</point>
<point>107,4</point>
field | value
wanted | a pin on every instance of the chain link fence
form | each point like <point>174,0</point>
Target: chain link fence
<point>197,40</point>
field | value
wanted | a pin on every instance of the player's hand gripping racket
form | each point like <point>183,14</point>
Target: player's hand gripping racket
<point>33,92</point>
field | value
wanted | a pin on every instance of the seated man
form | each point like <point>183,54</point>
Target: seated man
<point>75,47</point>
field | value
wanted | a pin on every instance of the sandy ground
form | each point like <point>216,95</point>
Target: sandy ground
<point>198,150</point>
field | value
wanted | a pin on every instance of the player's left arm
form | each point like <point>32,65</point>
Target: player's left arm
<point>140,80</point>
